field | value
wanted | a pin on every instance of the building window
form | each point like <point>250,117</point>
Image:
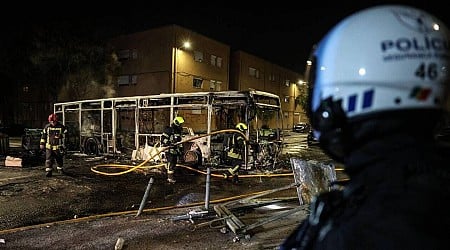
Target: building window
<point>134,54</point>
<point>126,54</point>
<point>215,85</point>
<point>197,83</point>
<point>198,56</point>
<point>213,60</point>
<point>123,80</point>
<point>216,61</point>
<point>133,79</point>
<point>127,80</point>
<point>219,62</point>
<point>25,89</point>
<point>123,54</point>
<point>218,85</point>
<point>253,72</point>
<point>272,77</point>
<point>286,99</point>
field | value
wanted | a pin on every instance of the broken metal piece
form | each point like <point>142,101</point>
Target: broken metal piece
<point>232,221</point>
<point>191,215</point>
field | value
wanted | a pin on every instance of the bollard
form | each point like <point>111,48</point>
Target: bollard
<point>4,144</point>
<point>208,183</point>
<point>144,199</point>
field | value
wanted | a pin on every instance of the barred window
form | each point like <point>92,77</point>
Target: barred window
<point>198,56</point>
<point>197,83</point>
<point>253,72</point>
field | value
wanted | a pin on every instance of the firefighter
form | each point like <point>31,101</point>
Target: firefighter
<point>379,86</point>
<point>235,147</point>
<point>170,138</point>
<point>52,141</point>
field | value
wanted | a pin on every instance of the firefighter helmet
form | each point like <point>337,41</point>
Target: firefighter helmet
<point>178,120</point>
<point>52,118</point>
<point>241,126</point>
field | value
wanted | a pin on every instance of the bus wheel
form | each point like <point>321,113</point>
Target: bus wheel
<point>91,146</point>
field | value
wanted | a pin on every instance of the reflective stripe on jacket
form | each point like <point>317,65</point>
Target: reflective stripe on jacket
<point>171,136</point>
<point>236,144</point>
<point>52,136</point>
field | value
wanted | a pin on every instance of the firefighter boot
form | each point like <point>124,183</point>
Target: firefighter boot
<point>60,170</point>
<point>48,168</point>
<point>170,172</point>
<point>235,179</point>
<point>170,177</point>
<point>232,172</point>
<point>48,172</point>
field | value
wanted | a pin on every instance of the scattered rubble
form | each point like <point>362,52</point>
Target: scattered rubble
<point>85,210</point>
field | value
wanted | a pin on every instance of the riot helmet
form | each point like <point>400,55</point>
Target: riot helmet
<point>378,61</point>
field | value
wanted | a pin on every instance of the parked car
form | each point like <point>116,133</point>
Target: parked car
<point>301,127</point>
<point>311,139</point>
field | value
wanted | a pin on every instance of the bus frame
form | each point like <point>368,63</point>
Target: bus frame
<point>123,125</point>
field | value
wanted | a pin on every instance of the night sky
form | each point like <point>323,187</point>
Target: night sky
<point>258,29</point>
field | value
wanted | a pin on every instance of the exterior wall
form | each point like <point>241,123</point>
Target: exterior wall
<point>235,71</point>
<point>149,60</point>
<point>158,63</point>
<point>189,66</point>
<point>251,72</point>
<point>245,80</point>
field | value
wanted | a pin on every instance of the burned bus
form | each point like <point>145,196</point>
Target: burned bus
<point>130,125</point>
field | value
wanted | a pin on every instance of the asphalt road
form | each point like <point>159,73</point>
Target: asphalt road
<point>82,210</point>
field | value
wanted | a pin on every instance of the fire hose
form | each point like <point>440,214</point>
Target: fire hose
<point>163,149</point>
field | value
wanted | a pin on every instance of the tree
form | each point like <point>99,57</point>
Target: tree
<point>71,62</point>
<point>302,100</point>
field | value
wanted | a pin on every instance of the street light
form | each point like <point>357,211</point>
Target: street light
<point>185,45</point>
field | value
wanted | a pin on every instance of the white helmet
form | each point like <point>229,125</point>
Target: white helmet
<point>384,58</point>
<point>373,63</point>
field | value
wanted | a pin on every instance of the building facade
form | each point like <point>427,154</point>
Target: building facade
<point>173,59</point>
<point>251,72</point>
<point>161,61</point>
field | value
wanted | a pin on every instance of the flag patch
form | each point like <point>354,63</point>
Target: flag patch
<point>420,94</point>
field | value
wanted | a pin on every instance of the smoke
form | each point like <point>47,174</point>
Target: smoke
<point>82,87</point>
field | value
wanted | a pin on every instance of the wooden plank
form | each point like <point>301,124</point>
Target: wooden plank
<point>233,222</point>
